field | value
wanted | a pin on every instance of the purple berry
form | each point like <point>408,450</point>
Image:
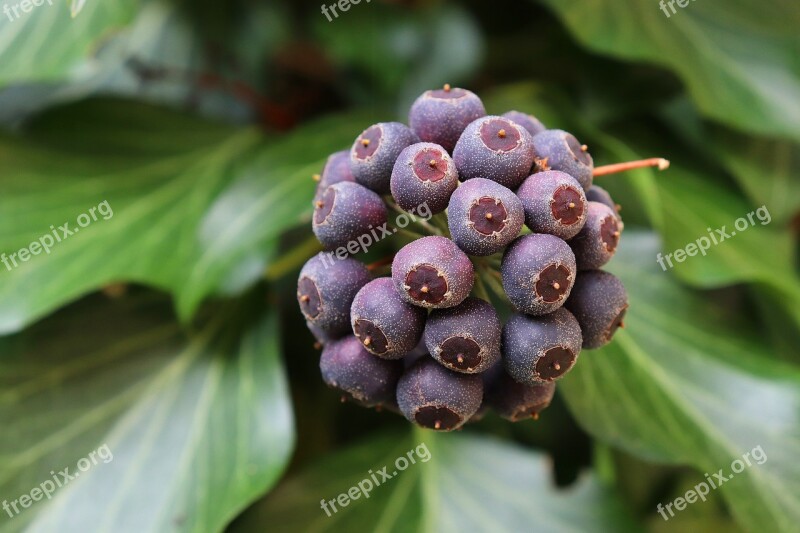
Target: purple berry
<point>432,272</point>
<point>325,290</point>
<point>600,195</point>
<point>346,211</point>
<point>599,302</point>
<point>538,272</point>
<point>433,397</point>
<point>512,400</point>
<point>374,152</point>
<point>440,116</point>
<point>495,148</point>
<point>484,216</point>
<point>464,338</point>
<point>386,325</point>
<point>541,348</point>
<point>597,242</point>
<point>424,173</point>
<point>554,203</point>
<point>559,150</point>
<point>529,122</point>
<point>322,337</point>
<point>367,379</point>
<point>337,169</point>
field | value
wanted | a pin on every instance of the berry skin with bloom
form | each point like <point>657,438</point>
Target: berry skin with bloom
<point>541,348</point>
<point>346,211</point>
<point>483,217</point>
<point>440,116</point>
<point>424,174</point>
<point>560,150</point>
<point>554,203</point>
<point>366,379</point>
<point>495,148</point>
<point>433,397</point>
<point>383,322</point>
<point>465,338</point>
<point>538,271</point>
<point>375,151</point>
<point>433,272</point>
<point>325,291</point>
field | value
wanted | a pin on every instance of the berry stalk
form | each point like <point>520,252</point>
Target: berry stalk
<point>616,168</point>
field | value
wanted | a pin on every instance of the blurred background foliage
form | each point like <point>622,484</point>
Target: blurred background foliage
<point>170,332</point>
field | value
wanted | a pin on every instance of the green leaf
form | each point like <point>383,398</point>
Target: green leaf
<point>76,6</point>
<point>766,169</point>
<point>690,382</point>
<point>199,424</point>
<point>467,483</point>
<point>738,60</point>
<point>754,249</point>
<point>197,208</point>
<point>50,42</point>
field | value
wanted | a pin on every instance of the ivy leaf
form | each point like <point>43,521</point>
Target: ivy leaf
<point>76,6</point>
<point>739,62</point>
<point>50,42</point>
<point>690,382</point>
<point>456,483</point>
<point>197,207</point>
<point>197,424</point>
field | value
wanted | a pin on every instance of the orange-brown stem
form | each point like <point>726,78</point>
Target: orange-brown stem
<point>616,168</point>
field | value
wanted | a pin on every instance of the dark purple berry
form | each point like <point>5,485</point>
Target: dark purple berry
<point>554,203</point>
<point>419,351</point>
<point>541,348</point>
<point>424,173</point>
<point>434,397</point>
<point>386,325</point>
<point>484,216</point>
<point>464,338</point>
<point>598,194</point>
<point>374,152</point>
<point>344,212</point>
<point>440,116</point>
<point>559,150</point>
<point>599,302</point>
<point>529,122</point>
<point>325,291</point>
<point>512,400</point>
<point>367,379</point>
<point>538,272</point>
<point>495,148</point>
<point>337,169</point>
<point>321,336</point>
<point>432,272</point>
<point>597,242</point>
